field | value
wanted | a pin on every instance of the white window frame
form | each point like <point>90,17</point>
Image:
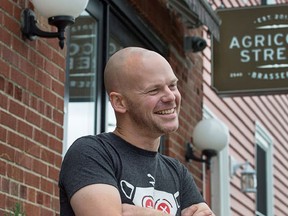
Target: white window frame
<point>265,141</point>
<point>220,192</point>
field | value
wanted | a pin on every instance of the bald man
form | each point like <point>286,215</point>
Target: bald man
<point>122,173</point>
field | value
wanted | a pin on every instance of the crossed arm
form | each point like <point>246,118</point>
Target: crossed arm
<point>102,199</point>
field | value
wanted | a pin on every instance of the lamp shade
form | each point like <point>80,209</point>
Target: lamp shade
<point>51,8</point>
<point>210,134</point>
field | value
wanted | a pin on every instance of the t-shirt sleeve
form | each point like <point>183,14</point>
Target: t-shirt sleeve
<point>88,161</point>
<point>190,193</point>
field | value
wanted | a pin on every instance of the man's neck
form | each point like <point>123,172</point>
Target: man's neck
<point>146,142</point>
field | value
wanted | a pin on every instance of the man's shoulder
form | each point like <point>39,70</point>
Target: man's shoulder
<point>92,139</point>
<point>171,161</point>
<point>91,143</point>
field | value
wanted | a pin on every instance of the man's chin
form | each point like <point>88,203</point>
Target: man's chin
<point>168,130</point>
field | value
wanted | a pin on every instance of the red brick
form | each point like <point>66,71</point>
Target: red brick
<point>39,167</point>
<point>5,185</point>
<point>35,88</point>
<point>20,47</point>
<point>58,116</point>
<point>7,152</point>
<point>48,111</point>
<point>59,132</point>
<point>41,106</point>
<point>31,194</point>
<point>5,37</point>
<point>32,179</point>
<point>2,87</point>
<point>44,199</point>
<point>24,160</point>
<point>47,186</point>
<point>45,50</point>
<point>3,134</point>
<point>50,97</point>
<point>53,173</point>
<point>17,109</point>
<point>47,155</point>
<point>23,192</point>
<point>11,23</point>
<point>2,201</point>
<point>36,59</point>
<point>8,120</point>
<point>7,6</point>
<point>60,103</point>
<point>58,160</point>
<point>3,168</point>
<point>10,89</point>
<point>27,68</point>
<point>46,212</point>
<point>33,118</point>
<point>15,140</point>
<point>18,93</point>
<point>48,126</point>
<point>58,87</point>
<point>32,148</point>
<point>25,128</point>
<point>15,173</point>
<point>44,79</point>
<point>14,188</point>
<point>55,145</point>
<point>31,209</point>
<point>40,136</point>
<point>58,59</point>
<point>55,203</point>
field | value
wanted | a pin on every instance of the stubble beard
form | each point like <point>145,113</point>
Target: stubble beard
<point>146,122</point>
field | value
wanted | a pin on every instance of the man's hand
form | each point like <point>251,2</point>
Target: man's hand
<point>200,209</point>
<point>131,210</point>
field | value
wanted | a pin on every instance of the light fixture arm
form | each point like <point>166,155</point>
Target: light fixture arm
<point>208,153</point>
<point>237,166</point>
<point>30,30</point>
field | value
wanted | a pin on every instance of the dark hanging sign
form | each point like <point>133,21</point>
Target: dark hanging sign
<point>252,54</point>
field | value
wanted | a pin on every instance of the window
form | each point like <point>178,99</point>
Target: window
<point>81,79</point>
<point>264,196</point>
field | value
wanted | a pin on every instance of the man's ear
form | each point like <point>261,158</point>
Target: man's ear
<point>117,101</point>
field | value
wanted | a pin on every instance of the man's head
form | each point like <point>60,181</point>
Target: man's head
<point>143,91</point>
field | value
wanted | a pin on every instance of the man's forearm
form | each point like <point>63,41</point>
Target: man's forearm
<point>131,210</point>
<point>200,209</point>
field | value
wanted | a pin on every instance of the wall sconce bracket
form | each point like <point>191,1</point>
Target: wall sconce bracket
<point>208,153</point>
<point>30,29</point>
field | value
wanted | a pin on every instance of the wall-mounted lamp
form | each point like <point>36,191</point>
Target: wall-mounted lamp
<point>194,43</point>
<point>248,175</point>
<point>210,136</point>
<point>60,13</point>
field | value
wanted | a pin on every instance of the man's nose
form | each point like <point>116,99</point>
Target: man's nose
<point>168,95</point>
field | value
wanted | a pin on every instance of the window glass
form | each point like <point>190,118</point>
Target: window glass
<point>82,64</point>
<point>261,181</point>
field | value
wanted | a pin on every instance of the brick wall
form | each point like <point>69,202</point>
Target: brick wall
<point>31,115</point>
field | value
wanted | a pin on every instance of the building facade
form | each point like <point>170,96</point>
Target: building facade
<point>50,96</point>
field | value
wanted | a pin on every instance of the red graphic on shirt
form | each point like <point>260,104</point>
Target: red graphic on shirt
<point>162,205</point>
<point>164,208</point>
<point>148,202</point>
<point>149,197</point>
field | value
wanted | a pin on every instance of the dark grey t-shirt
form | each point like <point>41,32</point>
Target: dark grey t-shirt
<point>143,178</point>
